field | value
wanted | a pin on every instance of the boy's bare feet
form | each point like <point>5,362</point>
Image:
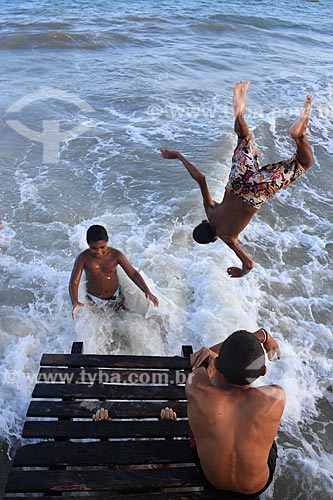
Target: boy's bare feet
<point>240,91</point>
<point>298,129</point>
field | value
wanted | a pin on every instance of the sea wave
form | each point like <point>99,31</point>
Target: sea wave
<point>62,40</point>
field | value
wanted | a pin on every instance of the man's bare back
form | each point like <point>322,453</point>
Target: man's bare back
<point>100,265</point>
<point>248,186</point>
<point>234,425</point>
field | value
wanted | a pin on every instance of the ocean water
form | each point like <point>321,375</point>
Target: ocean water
<point>139,75</point>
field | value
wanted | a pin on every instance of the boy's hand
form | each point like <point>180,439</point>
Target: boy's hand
<point>169,154</point>
<point>76,307</point>
<point>152,297</point>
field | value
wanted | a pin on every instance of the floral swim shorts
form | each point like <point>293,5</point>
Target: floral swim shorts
<point>115,303</point>
<point>254,184</point>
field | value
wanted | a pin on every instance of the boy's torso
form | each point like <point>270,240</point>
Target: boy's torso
<point>101,273</point>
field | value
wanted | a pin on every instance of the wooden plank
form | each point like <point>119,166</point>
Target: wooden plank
<point>187,350</point>
<point>115,361</point>
<point>105,391</point>
<point>102,480</point>
<point>77,348</point>
<point>85,409</point>
<point>188,495</point>
<point>111,375</point>
<point>98,430</point>
<point>48,454</point>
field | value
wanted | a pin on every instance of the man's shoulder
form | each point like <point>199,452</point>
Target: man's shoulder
<point>201,389</point>
<point>272,388</point>
<point>274,392</point>
<point>204,398</point>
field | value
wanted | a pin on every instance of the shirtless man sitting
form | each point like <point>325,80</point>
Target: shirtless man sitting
<point>100,265</point>
<point>249,186</point>
<point>234,424</point>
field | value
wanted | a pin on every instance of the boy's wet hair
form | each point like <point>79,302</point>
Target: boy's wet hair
<point>241,359</point>
<point>204,233</point>
<point>97,233</point>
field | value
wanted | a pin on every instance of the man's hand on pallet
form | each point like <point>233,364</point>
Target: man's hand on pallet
<point>101,414</point>
<point>168,414</point>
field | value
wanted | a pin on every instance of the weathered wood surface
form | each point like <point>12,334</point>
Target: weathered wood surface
<point>191,495</point>
<point>115,361</point>
<point>48,454</point>
<point>87,375</point>
<point>108,391</point>
<point>77,348</point>
<point>85,409</point>
<point>187,350</point>
<point>106,464</point>
<point>98,430</point>
<point>102,480</point>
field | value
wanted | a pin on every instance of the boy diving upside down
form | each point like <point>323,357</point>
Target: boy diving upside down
<point>249,186</point>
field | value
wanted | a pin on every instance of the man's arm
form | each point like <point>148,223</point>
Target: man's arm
<point>269,344</point>
<point>205,358</point>
<point>197,380</point>
<point>136,277</point>
<point>74,284</point>
<point>203,371</point>
<point>194,173</point>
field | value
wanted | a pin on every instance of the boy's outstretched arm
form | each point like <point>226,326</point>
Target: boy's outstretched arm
<point>136,277</point>
<point>74,284</point>
<point>194,173</point>
<point>247,263</point>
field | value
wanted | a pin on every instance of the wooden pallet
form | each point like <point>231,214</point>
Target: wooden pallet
<point>73,454</point>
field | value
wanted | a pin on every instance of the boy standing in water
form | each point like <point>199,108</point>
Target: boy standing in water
<point>100,265</point>
<point>249,186</point>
